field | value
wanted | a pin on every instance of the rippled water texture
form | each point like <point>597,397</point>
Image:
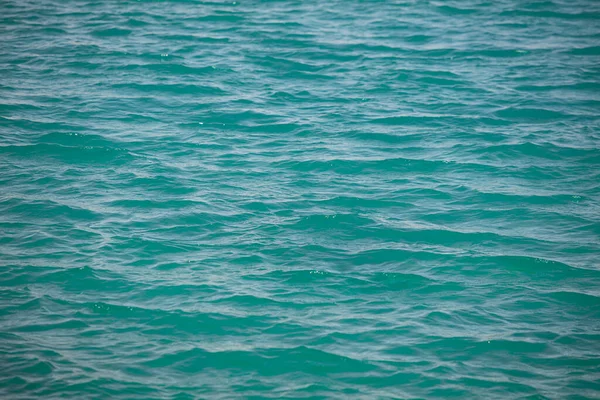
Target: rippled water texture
<point>329,199</point>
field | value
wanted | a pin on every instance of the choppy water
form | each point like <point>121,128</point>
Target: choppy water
<point>340,199</point>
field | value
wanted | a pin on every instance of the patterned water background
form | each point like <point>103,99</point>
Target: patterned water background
<point>338,199</point>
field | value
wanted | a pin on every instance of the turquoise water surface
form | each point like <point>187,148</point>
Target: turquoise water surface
<point>299,199</point>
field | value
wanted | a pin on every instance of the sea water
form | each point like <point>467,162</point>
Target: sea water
<point>320,199</point>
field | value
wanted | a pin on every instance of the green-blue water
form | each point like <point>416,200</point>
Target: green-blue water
<point>320,199</point>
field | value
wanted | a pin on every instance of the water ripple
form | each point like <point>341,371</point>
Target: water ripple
<point>299,199</point>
